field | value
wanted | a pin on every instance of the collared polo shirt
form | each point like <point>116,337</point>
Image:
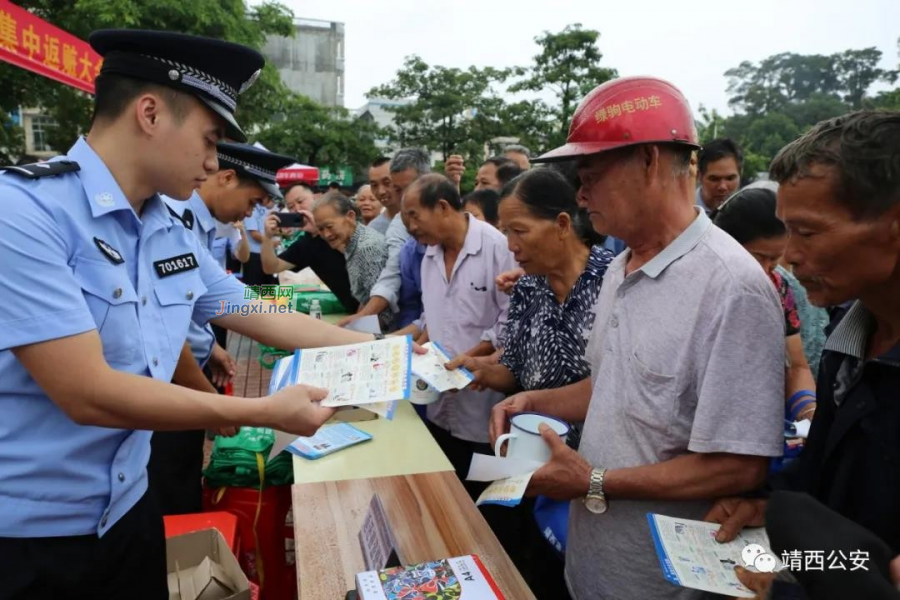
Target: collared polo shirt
<point>380,223</point>
<point>851,461</point>
<point>463,311</point>
<point>687,356</point>
<point>388,284</point>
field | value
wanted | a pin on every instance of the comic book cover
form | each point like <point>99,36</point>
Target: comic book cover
<point>458,578</point>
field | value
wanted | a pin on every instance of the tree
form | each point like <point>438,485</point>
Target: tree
<point>447,107</point>
<point>785,94</point>
<point>533,122</point>
<point>12,140</point>
<point>789,78</point>
<point>780,79</point>
<point>569,65</point>
<point>232,20</point>
<point>319,135</point>
<point>817,108</point>
<point>709,125</point>
<point>885,100</point>
<point>770,133</point>
<point>857,71</point>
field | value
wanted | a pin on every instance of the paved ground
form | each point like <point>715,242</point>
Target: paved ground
<point>251,379</point>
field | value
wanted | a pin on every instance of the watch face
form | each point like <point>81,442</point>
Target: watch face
<point>596,504</point>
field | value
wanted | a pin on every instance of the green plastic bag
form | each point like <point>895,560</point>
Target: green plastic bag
<point>327,301</point>
<point>268,355</point>
<point>235,461</point>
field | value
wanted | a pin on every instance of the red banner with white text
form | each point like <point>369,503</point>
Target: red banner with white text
<point>29,42</point>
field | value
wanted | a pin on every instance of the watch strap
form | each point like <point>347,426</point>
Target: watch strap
<point>596,488</point>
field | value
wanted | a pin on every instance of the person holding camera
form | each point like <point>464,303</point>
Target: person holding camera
<point>364,249</point>
<point>309,250</point>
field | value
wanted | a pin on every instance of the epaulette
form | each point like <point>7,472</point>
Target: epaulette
<point>44,169</point>
<point>186,218</point>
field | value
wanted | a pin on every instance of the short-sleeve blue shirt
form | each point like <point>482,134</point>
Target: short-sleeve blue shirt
<point>75,257</point>
<point>410,300</point>
<point>256,222</point>
<point>203,225</point>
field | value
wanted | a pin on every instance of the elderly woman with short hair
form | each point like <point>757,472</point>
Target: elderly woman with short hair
<point>364,249</point>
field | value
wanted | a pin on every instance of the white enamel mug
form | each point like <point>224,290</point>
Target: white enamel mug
<point>422,393</point>
<point>525,441</point>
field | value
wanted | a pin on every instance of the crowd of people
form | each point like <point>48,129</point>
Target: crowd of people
<point>629,287</point>
<point>677,364</point>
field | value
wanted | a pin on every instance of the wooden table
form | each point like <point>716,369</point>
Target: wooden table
<point>402,446</point>
<point>431,516</point>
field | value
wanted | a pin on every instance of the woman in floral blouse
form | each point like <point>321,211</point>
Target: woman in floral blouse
<point>550,320</point>
<point>749,217</point>
<point>551,308</point>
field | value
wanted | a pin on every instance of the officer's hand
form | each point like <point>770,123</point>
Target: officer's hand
<point>501,413</point>
<point>272,225</point>
<point>221,366</point>
<point>733,514</point>
<point>567,476</point>
<point>454,168</point>
<point>506,281</point>
<point>239,225</point>
<point>296,409</point>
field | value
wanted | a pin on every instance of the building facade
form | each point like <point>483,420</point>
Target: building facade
<point>312,62</point>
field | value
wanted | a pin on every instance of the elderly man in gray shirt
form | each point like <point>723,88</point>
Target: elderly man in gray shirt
<point>407,165</point>
<point>685,399</point>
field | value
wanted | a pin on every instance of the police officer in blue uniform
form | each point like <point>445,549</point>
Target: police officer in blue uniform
<point>246,176</point>
<point>98,286</point>
<point>255,224</point>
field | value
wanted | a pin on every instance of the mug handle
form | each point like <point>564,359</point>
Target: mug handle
<point>499,443</point>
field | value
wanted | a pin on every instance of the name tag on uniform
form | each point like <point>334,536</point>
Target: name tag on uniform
<point>175,265</point>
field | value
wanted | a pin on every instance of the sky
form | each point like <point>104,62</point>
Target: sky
<point>689,42</point>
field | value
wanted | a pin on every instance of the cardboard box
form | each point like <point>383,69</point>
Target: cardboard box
<point>201,567</point>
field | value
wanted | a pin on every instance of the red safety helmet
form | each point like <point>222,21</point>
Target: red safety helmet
<point>625,112</point>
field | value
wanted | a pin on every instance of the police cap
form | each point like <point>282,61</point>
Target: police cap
<point>214,71</point>
<point>255,163</point>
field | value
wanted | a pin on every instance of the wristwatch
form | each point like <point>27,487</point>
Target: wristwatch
<point>595,501</point>
<point>378,336</point>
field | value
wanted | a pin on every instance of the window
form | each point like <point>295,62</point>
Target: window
<point>40,128</point>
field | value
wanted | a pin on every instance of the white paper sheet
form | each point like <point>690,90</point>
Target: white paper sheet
<point>359,374</point>
<point>282,441</point>
<point>372,375</point>
<point>491,468</point>
<point>802,428</point>
<point>505,492</point>
<point>366,324</point>
<point>430,368</point>
<point>691,557</point>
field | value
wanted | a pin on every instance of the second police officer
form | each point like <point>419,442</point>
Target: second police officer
<point>245,177</point>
